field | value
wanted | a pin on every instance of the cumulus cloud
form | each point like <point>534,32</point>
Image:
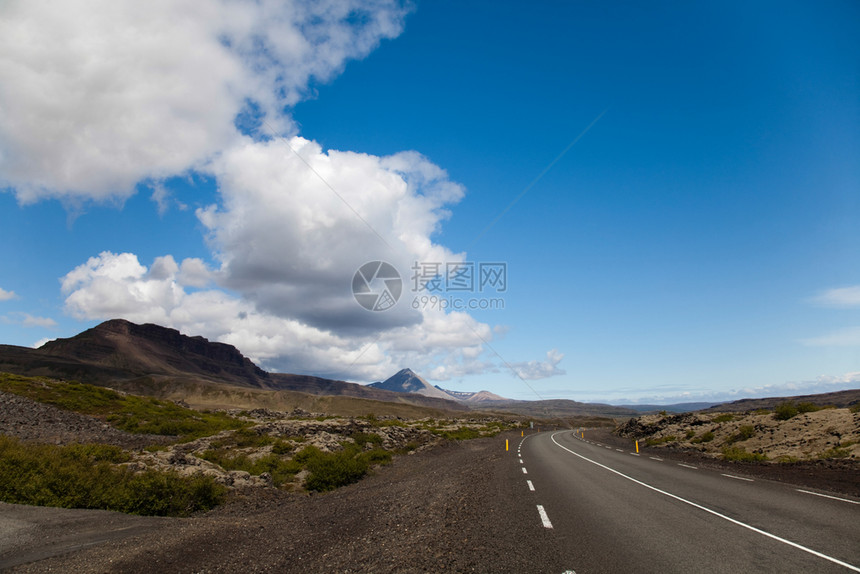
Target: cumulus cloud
<point>843,297</point>
<point>7,295</point>
<point>291,232</point>
<point>540,369</point>
<point>102,98</point>
<point>99,95</point>
<point>118,285</point>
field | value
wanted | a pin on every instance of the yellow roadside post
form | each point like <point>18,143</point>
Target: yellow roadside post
<point>637,446</point>
<point>506,445</point>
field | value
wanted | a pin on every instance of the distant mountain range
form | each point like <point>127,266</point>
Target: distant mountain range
<point>406,381</point>
<point>154,360</point>
<point>159,361</point>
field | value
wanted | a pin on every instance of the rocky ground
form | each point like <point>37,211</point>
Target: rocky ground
<point>818,449</point>
<point>31,421</point>
<point>820,435</point>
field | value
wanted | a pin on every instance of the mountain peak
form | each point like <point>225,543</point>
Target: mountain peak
<point>406,381</point>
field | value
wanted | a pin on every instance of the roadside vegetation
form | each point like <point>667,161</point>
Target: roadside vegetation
<point>88,476</point>
<point>130,413</point>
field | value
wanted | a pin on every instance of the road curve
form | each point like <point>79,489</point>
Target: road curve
<point>611,510</point>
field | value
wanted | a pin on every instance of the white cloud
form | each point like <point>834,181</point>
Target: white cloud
<point>117,285</point>
<point>540,369</point>
<point>27,320</point>
<point>291,244</point>
<point>99,95</point>
<point>7,295</point>
<point>848,337</point>
<point>843,297</point>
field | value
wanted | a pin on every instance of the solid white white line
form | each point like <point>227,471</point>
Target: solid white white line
<point>738,477</point>
<point>828,496</point>
<point>687,466</point>
<point>543,517</point>
<point>525,471</point>
<point>531,486</point>
<point>713,512</point>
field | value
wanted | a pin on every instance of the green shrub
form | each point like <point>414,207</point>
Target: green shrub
<point>724,418</point>
<point>835,452</point>
<point>707,436</point>
<point>808,407</point>
<point>745,432</point>
<point>738,454</point>
<point>85,476</point>
<point>690,434</point>
<point>855,408</point>
<point>362,438</point>
<point>281,470</point>
<point>462,433</point>
<point>785,411</point>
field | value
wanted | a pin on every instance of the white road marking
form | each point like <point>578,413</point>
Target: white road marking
<point>525,471</point>
<point>619,450</point>
<point>531,486</point>
<point>687,466</point>
<point>521,461</point>
<point>635,453</point>
<point>543,517</point>
<point>598,444</point>
<point>713,512</point>
<point>655,458</point>
<point>738,477</point>
<point>609,447</point>
<point>828,496</point>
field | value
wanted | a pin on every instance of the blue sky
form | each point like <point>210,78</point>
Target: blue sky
<point>698,241</point>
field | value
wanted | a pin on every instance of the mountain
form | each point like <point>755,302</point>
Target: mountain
<point>154,360</point>
<point>472,397</point>
<point>406,381</point>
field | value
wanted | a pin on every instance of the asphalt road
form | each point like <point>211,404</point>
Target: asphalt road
<point>610,510</point>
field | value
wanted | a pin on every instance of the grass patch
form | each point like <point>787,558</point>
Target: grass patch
<point>807,407</point>
<point>723,418</point>
<point>835,452</point>
<point>330,470</point>
<point>362,438</point>
<point>690,434</point>
<point>86,476</point>
<point>784,411</point>
<point>707,436</point>
<point>134,414</point>
<point>736,453</point>
<point>281,470</point>
<point>745,432</point>
<point>855,408</point>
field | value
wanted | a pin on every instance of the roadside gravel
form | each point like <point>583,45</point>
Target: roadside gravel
<point>455,508</point>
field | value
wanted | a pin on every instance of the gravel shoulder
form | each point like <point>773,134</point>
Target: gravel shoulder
<point>452,508</point>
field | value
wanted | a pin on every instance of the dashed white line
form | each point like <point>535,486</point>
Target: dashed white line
<point>828,496</point>
<point>525,471</point>
<point>619,450</point>
<point>687,466</point>
<point>712,512</point>
<point>655,458</point>
<point>609,447</point>
<point>543,517</point>
<point>531,486</point>
<point>737,477</point>
<point>521,461</point>
<point>635,453</point>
